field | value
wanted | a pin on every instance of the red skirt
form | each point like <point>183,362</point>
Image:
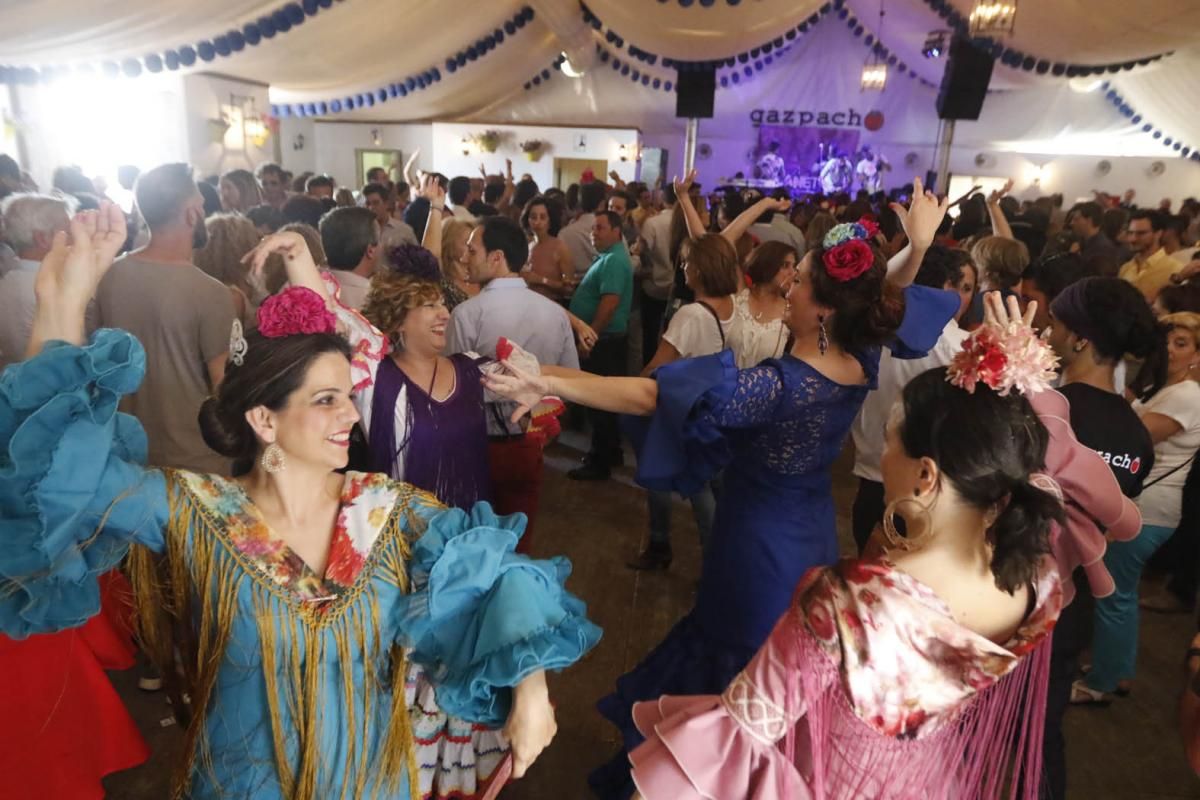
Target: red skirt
<point>64,727</point>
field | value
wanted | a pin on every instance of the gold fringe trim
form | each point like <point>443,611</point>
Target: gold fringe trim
<point>202,566</point>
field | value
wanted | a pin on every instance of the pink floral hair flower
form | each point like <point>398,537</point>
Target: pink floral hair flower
<point>297,310</point>
<point>1007,359</point>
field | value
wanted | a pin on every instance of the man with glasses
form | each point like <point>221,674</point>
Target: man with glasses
<point>1151,268</point>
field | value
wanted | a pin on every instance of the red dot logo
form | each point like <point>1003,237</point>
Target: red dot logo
<point>873,121</point>
<point>1136,466</point>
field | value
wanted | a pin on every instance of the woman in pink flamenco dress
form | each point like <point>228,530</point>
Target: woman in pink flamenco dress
<point>921,672</point>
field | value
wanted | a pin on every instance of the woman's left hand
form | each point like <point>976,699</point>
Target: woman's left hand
<point>531,725</point>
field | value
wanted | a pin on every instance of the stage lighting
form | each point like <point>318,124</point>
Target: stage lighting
<point>935,44</point>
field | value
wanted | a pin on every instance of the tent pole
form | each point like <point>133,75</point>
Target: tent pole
<point>943,169</point>
<point>689,145</point>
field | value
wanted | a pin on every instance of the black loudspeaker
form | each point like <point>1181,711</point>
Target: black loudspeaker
<point>965,82</point>
<point>694,92</point>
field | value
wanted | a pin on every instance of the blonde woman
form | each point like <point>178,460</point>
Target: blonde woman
<point>239,191</point>
<point>456,288</point>
<point>230,237</point>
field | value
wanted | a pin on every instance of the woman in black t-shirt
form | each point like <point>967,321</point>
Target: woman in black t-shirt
<point>1095,323</point>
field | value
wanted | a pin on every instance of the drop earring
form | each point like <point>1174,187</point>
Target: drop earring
<point>273,460</point>
<point>822,334</point>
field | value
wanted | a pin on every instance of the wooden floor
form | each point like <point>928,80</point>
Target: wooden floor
<point>1128,751</point>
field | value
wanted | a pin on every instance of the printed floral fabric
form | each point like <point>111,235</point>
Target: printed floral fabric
<point>367,500</point>
<point>903,658</point>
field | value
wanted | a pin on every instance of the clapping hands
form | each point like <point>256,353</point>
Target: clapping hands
<point>73,268</point>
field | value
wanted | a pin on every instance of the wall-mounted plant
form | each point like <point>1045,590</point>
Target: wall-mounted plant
<point>488,141</point>
<point>534,148</point>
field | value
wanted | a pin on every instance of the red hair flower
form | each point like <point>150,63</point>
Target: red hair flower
<point>297,310</point>
<point>749,281</point>
<point>848,260</point>
<point>869,226</point>
<point>982,359</point>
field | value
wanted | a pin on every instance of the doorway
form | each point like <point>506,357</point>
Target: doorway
<point>570,170</point>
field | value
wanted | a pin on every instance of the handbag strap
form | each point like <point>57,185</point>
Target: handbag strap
<point>717,317</point>
<point>1146,486</point>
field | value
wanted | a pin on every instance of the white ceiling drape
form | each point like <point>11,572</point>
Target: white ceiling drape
<point>347,47</point>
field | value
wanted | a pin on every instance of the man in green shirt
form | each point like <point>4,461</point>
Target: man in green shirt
<point>602,300</point>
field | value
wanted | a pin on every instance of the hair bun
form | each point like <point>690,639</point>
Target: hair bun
<point>223,435</point>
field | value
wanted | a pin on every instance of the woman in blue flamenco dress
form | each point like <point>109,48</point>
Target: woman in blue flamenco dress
<point>775,429</point>
<point>293,594</point>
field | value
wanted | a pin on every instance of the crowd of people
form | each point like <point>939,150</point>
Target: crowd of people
<point>303,426</point>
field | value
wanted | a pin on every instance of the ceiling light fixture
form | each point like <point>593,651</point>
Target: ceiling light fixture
<point>935,44</point>
<point>993,17</point>
<point>569,69</point>
<point>875,71</point>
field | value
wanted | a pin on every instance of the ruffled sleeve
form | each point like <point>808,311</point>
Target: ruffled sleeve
<point>926,312</point>
<point>480,618</point>
<point>73,495</point>
<point>1096,509</point>
<point>727,746</point>
<point>683,444</point>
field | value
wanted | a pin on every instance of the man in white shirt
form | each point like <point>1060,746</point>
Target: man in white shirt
<point>392,231</point>
<point>578,235</point>
<point>657,273</point>
<point>30,223</point>
<point>940,271</point>
<point>507,307</point>
<point>774,226</point>
<point>350,237</point>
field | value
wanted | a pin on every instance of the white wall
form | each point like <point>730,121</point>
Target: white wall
<point>601,144</point>
<point>208,98</point>
<point>330,146</point>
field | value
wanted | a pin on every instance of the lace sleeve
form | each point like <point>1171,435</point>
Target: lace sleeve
<point>754,400</point>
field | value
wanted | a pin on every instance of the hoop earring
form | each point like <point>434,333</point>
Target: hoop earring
<point>273,459</point>
<point>822,334</point>
<point>897,540</point>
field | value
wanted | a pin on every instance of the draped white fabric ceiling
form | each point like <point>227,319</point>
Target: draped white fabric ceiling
<point>344,48</point>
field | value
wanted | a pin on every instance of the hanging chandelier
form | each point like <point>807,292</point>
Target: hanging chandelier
<point>875,70</point>
<point>993,17</point>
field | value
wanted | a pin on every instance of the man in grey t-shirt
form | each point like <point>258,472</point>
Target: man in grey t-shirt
<point>181,316</point>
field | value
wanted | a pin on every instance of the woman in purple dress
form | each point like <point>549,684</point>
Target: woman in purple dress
<point>423,415</point>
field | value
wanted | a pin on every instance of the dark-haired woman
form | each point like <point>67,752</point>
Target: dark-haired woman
<point>1172,417</point>
<point>1096,324</point>
<point>779,427</point>
<point>300,593</point>
<point>550,271</point>
<point>761,308</point>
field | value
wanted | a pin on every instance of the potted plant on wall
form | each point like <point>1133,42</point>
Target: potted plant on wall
<point>488,141</point>
<point>534,148</point>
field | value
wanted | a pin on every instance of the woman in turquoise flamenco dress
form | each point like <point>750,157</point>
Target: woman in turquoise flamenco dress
<point>294,594</point>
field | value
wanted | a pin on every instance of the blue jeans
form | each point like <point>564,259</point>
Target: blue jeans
<point>1115,642</point>
<point>704,506</point>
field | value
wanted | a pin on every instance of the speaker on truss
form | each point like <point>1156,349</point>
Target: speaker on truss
<point>694,92</point>
<point>965,81</point>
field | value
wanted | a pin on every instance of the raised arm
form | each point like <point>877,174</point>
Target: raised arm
<point>297,261</point>
<point>920,221</point>
<point>408,165</point>
<point>695,225</point>
<point>70,273</point>
<point>1000,226</point>
<point>734,230</point>
<point>432,191</point>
